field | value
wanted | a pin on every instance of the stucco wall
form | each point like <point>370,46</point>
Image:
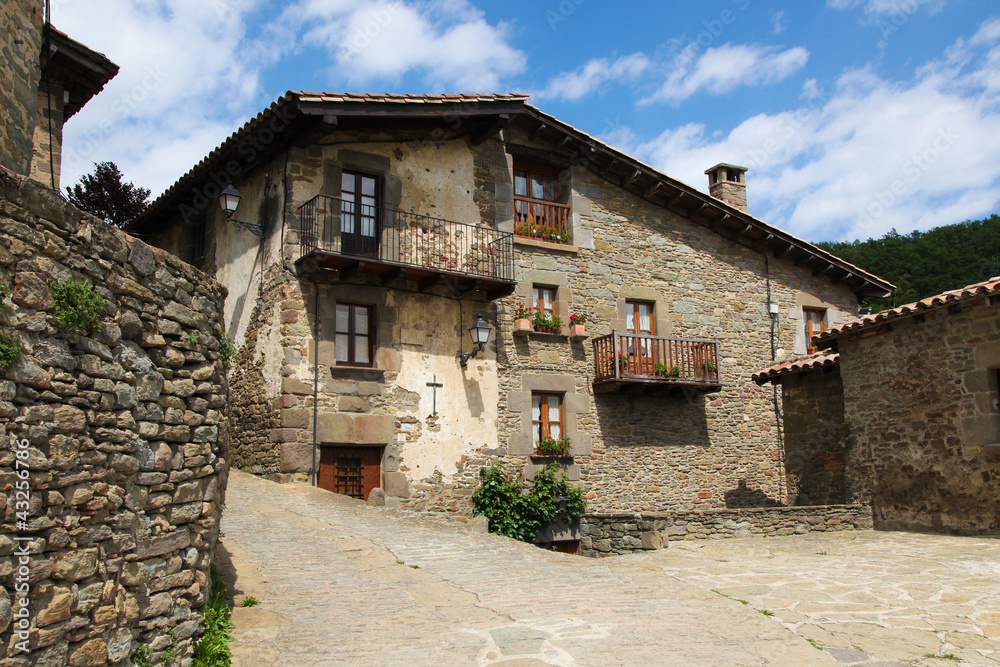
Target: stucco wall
<point>20,70</point>
<point>920,400</point>
<point>125,435</point>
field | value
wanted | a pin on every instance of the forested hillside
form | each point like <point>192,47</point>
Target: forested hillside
<point>923,264</point>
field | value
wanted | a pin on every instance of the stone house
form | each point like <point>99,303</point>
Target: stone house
<point>372,231</point>
<point>47,78</point>
<point>915,389</point>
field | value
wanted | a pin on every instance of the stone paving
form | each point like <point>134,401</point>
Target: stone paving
<point>344,583</point>
<point>864,596</point>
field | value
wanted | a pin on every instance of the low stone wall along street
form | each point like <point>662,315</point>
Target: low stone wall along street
<point>113,454</point>
<point>610,534</point>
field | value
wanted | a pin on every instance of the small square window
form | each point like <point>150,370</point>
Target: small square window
<point>354,334</point>
<point>546,417</point>
<point>544,301</point>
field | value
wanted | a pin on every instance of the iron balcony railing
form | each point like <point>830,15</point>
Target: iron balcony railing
<point>638,357</point>
<point>544,220</point>
<point>399,237</point>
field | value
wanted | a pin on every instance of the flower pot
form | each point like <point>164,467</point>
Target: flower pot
<point>522,325</point>
<point>578,330</point>
<point>541,328</point>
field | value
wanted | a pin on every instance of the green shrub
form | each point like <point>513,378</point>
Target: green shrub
<point>519,513</point>
<point>212,650</point>
<point>227,351</point>
<point>77,305</point>
<point>10,350</point>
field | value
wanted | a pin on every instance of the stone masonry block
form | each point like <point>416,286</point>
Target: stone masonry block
<point>582,445</point>
<point>355,429</point>
<point>396,484</point>
<point>519,444</point>
<point>293,386</point>
<point>297,457</point>
<point>518,401</point>
<point>353,404</point>
<point>295,418</point>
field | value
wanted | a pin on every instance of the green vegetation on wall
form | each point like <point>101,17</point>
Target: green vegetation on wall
<point>519,512</point>
<point>77,305</point>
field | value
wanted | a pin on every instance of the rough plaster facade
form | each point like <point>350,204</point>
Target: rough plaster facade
<point>920,399</point>
<point>127,440</point>
<point>20,71</point>
<point>679,451</point>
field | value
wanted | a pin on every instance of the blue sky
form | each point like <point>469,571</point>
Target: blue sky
<point>854,116</point>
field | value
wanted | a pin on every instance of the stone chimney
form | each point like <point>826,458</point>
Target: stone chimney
<point>728,183</point>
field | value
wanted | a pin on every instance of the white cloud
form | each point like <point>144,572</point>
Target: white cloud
<point>449,43</point>
<point>866,157</point>
<point>185,79</point>
<point>898,9</point>
<point>778,23</point>
<point>575,85</point>
<point>191,69</point>
<point>720,70</point>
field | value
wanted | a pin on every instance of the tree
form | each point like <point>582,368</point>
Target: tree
<point>105,195</point>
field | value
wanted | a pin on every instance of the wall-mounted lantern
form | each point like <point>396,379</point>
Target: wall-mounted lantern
<point>480,334</point>
<point>230,200</point>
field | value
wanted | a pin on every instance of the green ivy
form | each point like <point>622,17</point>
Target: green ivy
<point>520,513</point>
<point>212,650</point>
<point>10,351</point>
<point>78,306</point>
<point>227,351</point>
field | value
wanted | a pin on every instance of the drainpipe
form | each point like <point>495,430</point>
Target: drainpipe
<point>315,377</point>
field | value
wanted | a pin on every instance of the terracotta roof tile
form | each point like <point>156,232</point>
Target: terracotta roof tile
<point>797,365</point>
<point>989,287</point>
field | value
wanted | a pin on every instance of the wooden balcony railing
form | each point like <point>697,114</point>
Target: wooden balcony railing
<point>624,358</point>
<point>543,220</point>
<point>386,240</point>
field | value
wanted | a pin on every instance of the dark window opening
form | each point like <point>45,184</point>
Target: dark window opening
<point>354,334</point>
<point>359,217</point>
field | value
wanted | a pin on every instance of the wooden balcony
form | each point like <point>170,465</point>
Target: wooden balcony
<point>640,363</point>
<point>351,238</point>
<point>542,220</point>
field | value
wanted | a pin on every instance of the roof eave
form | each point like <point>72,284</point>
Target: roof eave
<point>641,179</point>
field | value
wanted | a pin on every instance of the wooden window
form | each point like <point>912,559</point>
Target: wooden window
<point>814,325</point>
<point>537,211</point>
<point>639,317</point>
<point>358,214</point>
<point>354,334</point>
<point>544,301</point>
<point>546,416</point>
<point>535,184</point>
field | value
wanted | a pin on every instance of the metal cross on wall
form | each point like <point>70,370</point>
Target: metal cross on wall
<point>435,384</point>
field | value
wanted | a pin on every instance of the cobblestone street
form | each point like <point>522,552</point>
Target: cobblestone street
<point>341,583</point>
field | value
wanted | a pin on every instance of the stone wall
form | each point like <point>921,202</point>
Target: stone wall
<point>126,436</point>
<point>20,70</point>
<point>816,434</point>
<point>669,451</point>
<point>611,534</point>
<point>920,398</point>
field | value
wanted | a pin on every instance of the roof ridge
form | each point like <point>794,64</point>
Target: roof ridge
<point>985,288</point>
